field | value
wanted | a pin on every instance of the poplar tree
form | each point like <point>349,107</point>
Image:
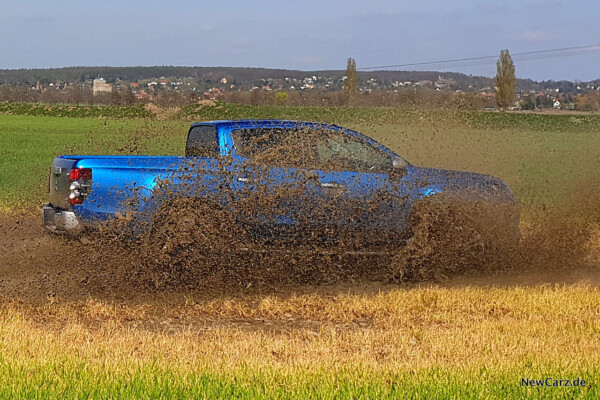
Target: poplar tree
<point>506,80</point>
<point>351,82</point>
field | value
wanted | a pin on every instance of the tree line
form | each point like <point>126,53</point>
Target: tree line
<point>245,77</point>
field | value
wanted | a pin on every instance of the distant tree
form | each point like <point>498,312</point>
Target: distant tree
<point>581,103</point>
<point>594,100</point>
<point>76,95</point>
<point>50,95</point>
<point>351,82</point>
<point>506,80</point>
<point>281,97</point>
<point>192,97</point>
<point>255,97</point>
<point>529,103</point>
<point>115,97</point>
<point>128,98</point>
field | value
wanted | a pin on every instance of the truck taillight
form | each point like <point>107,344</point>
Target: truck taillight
<point>80,173</point>
<point>81,184</point>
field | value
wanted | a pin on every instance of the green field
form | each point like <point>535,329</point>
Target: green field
<point>30,143</point>
<point>155,382</point>
<point>545,158</point>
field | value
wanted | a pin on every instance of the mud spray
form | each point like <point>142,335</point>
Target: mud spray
<point>192,244</point>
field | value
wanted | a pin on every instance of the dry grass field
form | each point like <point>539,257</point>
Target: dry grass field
<point>376,341</point>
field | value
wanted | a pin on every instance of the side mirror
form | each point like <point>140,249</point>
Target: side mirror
<point>399,163</point>
<point>398,168</point>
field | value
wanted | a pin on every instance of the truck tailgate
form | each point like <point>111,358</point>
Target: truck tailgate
<point>59,182</point>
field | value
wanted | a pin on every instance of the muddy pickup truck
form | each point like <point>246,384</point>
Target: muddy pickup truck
<point>278,180</point>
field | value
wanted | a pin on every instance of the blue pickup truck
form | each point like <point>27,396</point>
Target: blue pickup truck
<point>277,179</point>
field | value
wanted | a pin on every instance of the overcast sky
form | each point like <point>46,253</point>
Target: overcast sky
<point>304,35</point>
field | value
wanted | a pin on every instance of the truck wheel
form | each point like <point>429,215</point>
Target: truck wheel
<point>452,239</point>
<point>190,241</point>
<point>187,223</point>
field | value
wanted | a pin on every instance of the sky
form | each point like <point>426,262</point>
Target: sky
<point>305,35</point>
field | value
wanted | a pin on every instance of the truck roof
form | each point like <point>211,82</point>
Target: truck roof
<point>267,123</point>
<point>230,124</point>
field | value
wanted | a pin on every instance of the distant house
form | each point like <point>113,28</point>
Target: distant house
<point>444,82</point>
<point>224,80</point>
<point>141,94</point>
<point>213,93</point>
<point>101,86</point>
<point>556,105</point>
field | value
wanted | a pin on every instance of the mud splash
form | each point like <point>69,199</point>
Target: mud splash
<point>192,247</point>
<point>201,246</point>
<point>560,245</point>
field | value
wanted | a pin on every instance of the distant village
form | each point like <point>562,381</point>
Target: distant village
<point>567,96</point>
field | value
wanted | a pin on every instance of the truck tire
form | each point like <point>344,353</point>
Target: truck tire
<point>185,223</point>
<point>190,241</point>
<point>455,238</point>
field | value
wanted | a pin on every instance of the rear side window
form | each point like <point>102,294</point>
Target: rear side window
<point>202,142</point>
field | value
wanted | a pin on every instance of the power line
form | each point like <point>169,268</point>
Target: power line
<point>536,54</point>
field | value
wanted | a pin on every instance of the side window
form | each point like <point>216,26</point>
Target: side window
<point>310,148</point>
<point>276,146</point>
<point>202,142</point>
<point>343,152</point>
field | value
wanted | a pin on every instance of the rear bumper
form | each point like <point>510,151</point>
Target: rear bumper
<point>59,220</point>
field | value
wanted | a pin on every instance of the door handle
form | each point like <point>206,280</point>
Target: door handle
<point>332,185</point>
